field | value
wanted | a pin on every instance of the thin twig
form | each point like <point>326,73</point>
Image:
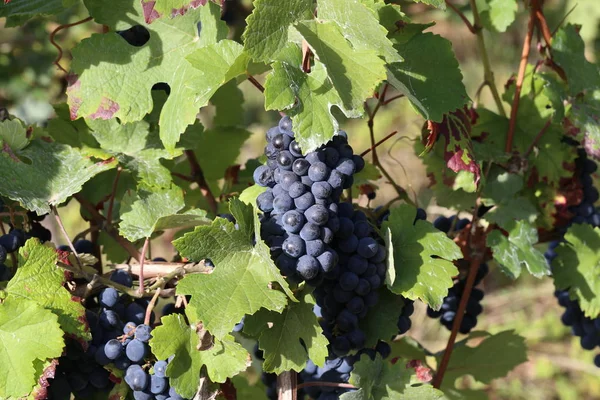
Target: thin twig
<point>60,51</point>
<point>562,21</point>
<point>542,24</point>
<point>478,94</point>
<point>112,195</point>
<point>182,176</point>
<point>488,72</point>
<point>519,83</point>
<point>142,259</point>
<point>462,16</point>
<point>388,101</point>
<point>99,279</point>
<point>65,234</point>
<point>151,307</point>
<point>256,83</point>
<point>108,228</point>
<point>198,174</point>
<point>439,376</point>
<point>537,138</point>
<point>379,143</point>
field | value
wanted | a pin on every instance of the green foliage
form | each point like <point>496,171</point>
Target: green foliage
<point>413,272</point>
<point>380,380</point>
<point>576,267</point>
<point>240,283</point>
<point>498,15</point>
<point>502,192</point>
<point>29,333</point>
<point>516,250</point>
<point>280,334</point>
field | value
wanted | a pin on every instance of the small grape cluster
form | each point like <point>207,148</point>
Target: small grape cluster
<point>16,238</point>
<point>447,313</point>
<point>404,322</point>
<point>588,329</point>
<point>300,204</point>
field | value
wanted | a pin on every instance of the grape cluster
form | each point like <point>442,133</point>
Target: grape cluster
<point>300,204</point>
<point>16,238</point>
<point>447,313</point>
<point>588,329</point>
<point>404,322</point>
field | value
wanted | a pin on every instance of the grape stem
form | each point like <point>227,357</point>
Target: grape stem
<point>256,83</point>
<point>537,138</point>
<point>151,306</point>
<point>60,51</point>
<point>65,234</point>
<point>198,175</point>
<point>142,260</point>
<point>108,227</point>
<point>112,195</point>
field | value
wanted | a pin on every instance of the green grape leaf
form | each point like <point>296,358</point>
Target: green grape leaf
<point>154,9</point>
<point>585,112</point>
<point>13,134</point>
<point>289,339</point>
<point>381,321</point>
<point>241,281</point>
<point>455,128</point>
<point>40,280</point>
<point>134,70</point>
<point>492,358</point>
<point>228,101</point>
<point>144,212</point>
<point>229,140</point>
<point>389,15</point>
<point>269,23</point>
<point>432,91</point>
<point>380,380</point>
<point>576,267</point>
<point>354,72</point>
<point>436,3</point>
<point>359,26</point>
<point>26,9</point>
<point>312,118</point>
<point>136,147</point>
<point>224,359</point>
<point>516,250</point>
<point>413,272</point>
<point>43,173</point>
<point>501,192</point>
<point>498,15</point>
<point>28,333</point>
<point>568,52</point>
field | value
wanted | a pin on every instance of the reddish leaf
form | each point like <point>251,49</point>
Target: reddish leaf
<point>152,11</point>
<point>455,128</point>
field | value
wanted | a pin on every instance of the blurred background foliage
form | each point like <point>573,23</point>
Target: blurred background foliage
<point>30,84</point>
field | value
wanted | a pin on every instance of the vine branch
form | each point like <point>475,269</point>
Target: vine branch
<point>142,259</point>
<point>520,78</point>
<point>256,83</point>
<point>462,16</point>
<point>199,178</point>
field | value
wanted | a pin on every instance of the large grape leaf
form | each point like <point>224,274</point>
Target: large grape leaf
<point>429,76</point>
<point>28,334</point>
<point>40,280</point>
<point>436,3</point>
<point>224,359</point>
<point>568,51</point>
<point>497,15</point>
<point>137,148</point>
<point>289,339</point>
<point>269,23</point>
<point>13,134</point>
<point>413,271</point>
<point>380,380</point>
<point>577,264</point>
<point>25,9</point>
<point>241,281</point>
<point>516,250</point>
<point>501,192</point>
<point>585,115</point>
<point>229,105</point>
<point>308,97</point>
<point>114,79</point>
<point>154,9</point>
<point>43,173</point>
<point>354,72</point>
<point>143,212</point>
<point>492,358</point>
<point>360,26</point>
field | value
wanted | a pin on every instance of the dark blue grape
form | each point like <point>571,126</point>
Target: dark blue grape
<point>136,350</point>
<point>264,201</point>
<point>317,215</point>
<point>294,246</point>
<point>292,221</point>
<point>308,267</point>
